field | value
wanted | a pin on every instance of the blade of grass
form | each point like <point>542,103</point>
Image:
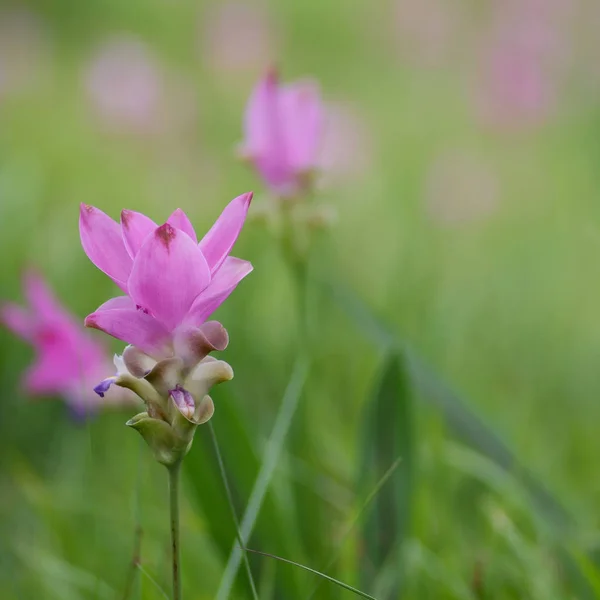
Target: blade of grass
<point>232,507</point>
<point>461,418</point>
<point>135,559</point>
<point>291,397</point>
<point>356,516</point>
<point>153,581</point>
<point>314,572</point>
<point>388,434</point>
<point>137,542</point>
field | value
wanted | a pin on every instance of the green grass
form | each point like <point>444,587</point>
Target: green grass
<point>495,411</point>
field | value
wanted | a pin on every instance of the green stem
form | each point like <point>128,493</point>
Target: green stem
<point>174,502</point>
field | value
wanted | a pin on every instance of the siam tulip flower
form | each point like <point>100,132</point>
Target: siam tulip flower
<point>173,282</point>
<point>67,360</point>
<point>282,133</point>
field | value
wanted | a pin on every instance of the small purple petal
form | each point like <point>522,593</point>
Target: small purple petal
<point>104,385</point>
<point>184,401</point>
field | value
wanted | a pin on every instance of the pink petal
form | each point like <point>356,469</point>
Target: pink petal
<point>223,283</point>
<point>265,142</point>
<point>118,302</point>
<point>260,117</point>
<point>44,378</point>
<point>130,325</point>
<point>102,242</point>
<point>168,274</point>
<point>18,320</point>
<point>181,221</point>
<point>218,242</point>
<point>135,228</point>
<point>302,119</point>
<point>43,302</point>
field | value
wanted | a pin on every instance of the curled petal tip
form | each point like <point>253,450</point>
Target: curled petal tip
<point>90,321</point>
<point>104,386</point>
<point>216,335</point>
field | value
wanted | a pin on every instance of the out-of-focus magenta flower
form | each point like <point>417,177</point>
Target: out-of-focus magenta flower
<point>67,360</point>
<point>282,132</point>
<point>522,59</point>
<point>125,86</point>
<point>237,37</point>
<point>173,283</point>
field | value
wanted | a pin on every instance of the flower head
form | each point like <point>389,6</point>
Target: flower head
<point>174,390</point>
<point>173,282</point>
<point>282,132</point>
<point>125,87</point>
<point>67,359</point>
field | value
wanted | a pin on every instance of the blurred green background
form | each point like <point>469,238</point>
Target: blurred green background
<point>462,161</point>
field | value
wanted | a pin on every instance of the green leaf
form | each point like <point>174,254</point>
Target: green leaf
<point>388,435</point>
<point>315,572</point>
<point>465,423</point>
<point>461,418</point>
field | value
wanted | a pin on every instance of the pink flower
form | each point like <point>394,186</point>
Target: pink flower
<point>67,360</point>
<point>282,128</point>
<point>523,57</point>
<point>173,283</point>
<point>125,84</point>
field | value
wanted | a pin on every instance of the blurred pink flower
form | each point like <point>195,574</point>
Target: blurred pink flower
<point>461,188</point>
<point>523,56</point>
<point>283,127</point>
<point>125,86</point>
<point>346,151</point>
<point>173,283</point>
<point>68,362</point>
<point>237,37</point>
<point>23,49</point>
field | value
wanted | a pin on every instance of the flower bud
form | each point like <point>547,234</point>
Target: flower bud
<point>184,402</point>
<point>167,447</point>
